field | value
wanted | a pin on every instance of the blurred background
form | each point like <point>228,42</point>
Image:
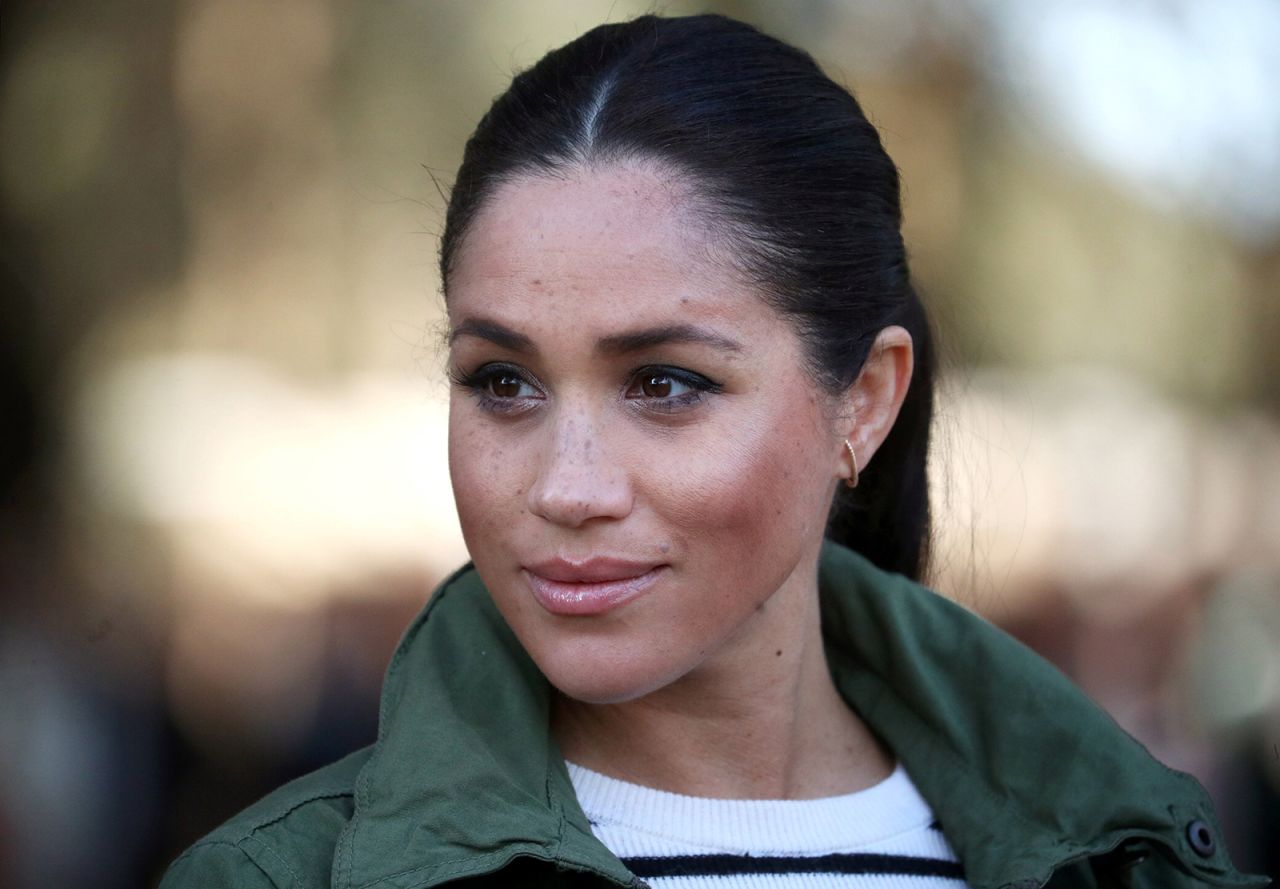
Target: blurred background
<point>223,489</point>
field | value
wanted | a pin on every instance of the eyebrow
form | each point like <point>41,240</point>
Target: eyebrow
<point>647,338</point>
<point>614,344</point>
<point>495,333</point>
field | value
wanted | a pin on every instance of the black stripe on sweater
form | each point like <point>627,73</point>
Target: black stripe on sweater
<point>732,865</point>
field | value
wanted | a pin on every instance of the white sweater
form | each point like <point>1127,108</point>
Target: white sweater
<point>883,837</point>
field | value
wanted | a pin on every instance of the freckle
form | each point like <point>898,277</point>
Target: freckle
<point>519,491</point>
<point>537,281</point>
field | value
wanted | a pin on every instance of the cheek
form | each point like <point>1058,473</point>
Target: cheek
<point>756,490</point>
<point>486,478</point>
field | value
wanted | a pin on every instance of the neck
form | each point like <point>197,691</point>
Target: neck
<point>762,720</point>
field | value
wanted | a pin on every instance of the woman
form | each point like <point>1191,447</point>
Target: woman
<point>681,326</point>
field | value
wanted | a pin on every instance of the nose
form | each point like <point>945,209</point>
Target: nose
<point>577,482</point>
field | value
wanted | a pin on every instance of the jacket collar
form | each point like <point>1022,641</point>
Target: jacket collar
<point>1022,770</point>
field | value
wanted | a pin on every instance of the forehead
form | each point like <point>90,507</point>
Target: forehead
<point>599,247</point>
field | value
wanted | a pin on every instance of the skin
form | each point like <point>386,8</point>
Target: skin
<point>714,682</point>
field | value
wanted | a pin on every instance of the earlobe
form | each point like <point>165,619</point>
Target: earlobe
<point>877,395</point>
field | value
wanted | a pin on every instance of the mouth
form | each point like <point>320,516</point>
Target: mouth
<point>594,586</point>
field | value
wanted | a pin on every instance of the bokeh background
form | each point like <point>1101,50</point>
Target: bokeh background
<point>224,489</point>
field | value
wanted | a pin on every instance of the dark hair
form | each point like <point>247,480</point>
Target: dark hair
<point>794,176</point>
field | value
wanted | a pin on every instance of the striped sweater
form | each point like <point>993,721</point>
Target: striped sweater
<point>884,837</point>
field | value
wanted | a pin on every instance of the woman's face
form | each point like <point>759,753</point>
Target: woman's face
<point>640,462</point>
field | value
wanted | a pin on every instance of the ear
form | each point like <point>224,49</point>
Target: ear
<point>874,399</point>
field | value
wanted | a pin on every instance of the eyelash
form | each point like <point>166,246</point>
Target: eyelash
<point>478,381</point>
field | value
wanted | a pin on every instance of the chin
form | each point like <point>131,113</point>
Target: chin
<point>587,671</point>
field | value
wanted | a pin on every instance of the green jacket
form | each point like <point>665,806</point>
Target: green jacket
<point>1033,784</point>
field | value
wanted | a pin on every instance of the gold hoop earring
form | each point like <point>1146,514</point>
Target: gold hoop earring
<point>852,481</point>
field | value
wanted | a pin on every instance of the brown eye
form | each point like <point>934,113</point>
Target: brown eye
<point>504,385</point>
<point>668,389</point>
<point>655,386</point>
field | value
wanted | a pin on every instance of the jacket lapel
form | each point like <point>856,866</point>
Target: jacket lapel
<point>464,777</point>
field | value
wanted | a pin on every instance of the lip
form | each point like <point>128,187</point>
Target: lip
<point>592,586</point>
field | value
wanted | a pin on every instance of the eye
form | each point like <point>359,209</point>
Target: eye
<point>659,385</point>
<point>500,387</point>
<point>668,389</point>
<point>505,384</point>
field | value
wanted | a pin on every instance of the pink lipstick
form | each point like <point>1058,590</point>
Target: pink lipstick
<point>592,586</point>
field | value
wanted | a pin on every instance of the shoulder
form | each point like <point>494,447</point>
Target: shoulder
<point>285,839</point>
<point>944,678</point>
<point>1028,774</point>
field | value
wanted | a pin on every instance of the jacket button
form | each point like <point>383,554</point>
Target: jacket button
<point>1201,838</point>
